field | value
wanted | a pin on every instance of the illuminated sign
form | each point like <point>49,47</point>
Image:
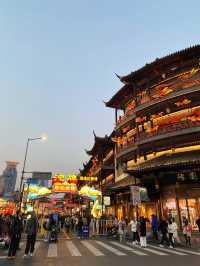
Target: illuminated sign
<point>88,178</point>
<point>64,187</point>
<point>90,192</point>
<point>59,178</point>
<point>106,200</point>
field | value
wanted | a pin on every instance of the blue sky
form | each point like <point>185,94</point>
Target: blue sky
<point>58,60</point>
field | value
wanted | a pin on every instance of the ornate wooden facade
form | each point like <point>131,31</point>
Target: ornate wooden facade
<point>157,132</point>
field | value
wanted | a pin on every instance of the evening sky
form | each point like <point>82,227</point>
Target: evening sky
<point>58,60</point>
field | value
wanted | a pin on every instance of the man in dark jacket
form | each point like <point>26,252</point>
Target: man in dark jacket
<point>15,234</point>
<point>163,228</point>
<point>31,231</point>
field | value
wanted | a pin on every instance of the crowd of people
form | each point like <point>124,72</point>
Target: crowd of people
<point>163,232</point>
<point>11,229</point>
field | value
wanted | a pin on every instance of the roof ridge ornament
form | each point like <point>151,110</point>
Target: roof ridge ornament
<point>94,133</point>
<point>118,76</point>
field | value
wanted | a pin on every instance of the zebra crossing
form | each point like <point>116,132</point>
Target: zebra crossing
<point>100,248</point>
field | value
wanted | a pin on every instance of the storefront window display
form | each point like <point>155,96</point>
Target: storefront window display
<point>120,212</point>
<point>183,209</point>
<point>110,211</point>
<point>193,212</point>
<point>170,209</point>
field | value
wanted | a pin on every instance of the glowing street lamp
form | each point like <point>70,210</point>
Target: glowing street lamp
<point>43,138</point>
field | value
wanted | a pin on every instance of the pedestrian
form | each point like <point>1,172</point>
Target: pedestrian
<point>67,223</point>
<point>98,226</point>
<point>116,221</point>
<point>121,230</point>
<point>92,227</point>
<point>154,226</point>
<point>133,224</point>
<point>76,225</point>
<point>143,232</point>
<point>163,228</point>
<point>46,228</point>
<point>171,231</point>
<point>175,232</point>
<point>187,232</point>
<point>80,227</point>
<point>62,221</point>
<point>72,223</point>
<point>15,235</point>
<point>31,231</point>
<point>198,223</point>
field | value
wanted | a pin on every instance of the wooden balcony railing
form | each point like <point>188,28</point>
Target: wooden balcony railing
<point>145,137</point>
<point>168,128</point>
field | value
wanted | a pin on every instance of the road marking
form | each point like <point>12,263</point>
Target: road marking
<point>113,250</point>
<point>188,251</point>
<point>3,257</point>
<point>73,249</point>
<point>156,252</point>
<point>66,235</point>
<point>52,250</point>
<point>169,251</point>
<point>128,249</point>
<point>152,251</point>
<point>92,249</point>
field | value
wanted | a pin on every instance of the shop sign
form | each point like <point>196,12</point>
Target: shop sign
<point>135,192</point>
<point>90,192</point>
<point>64,187</point>
<point>144,194</point>
<point>59,178</point>
<point>106,200</point>
<point>88,178</point>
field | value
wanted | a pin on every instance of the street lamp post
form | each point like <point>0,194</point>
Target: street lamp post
<point>24,165</point>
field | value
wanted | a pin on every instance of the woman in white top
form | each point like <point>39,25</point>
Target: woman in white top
<point>172,230</point>
<point>133,224</point>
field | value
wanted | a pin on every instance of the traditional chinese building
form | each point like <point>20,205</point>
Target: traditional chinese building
<point>101,165</point>
<point>157,136</point>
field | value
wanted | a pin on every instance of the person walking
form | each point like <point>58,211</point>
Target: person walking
<point>154,227</point>
<point>15,235</point>
<point>143,232</point>
<point>80,227</point>
<point>171,231</point>
<point>187,232</point>
<point>31,231</point>
<point>163,228</point>
<point>175,232</point>
<point>46,228</point>
<point>133,224</point>
<point>67,224</point>
<point>121,230</point>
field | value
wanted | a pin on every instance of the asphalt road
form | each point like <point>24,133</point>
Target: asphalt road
<point>101,252</point>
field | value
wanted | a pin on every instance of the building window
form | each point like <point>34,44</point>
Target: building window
<point>183,209</point>
<point>170,209</point>
<point>193,213</point>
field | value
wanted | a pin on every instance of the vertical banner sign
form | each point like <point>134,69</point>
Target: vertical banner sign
<point>135,192</point>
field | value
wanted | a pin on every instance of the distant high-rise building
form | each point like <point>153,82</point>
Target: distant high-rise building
<point>8,178</point>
